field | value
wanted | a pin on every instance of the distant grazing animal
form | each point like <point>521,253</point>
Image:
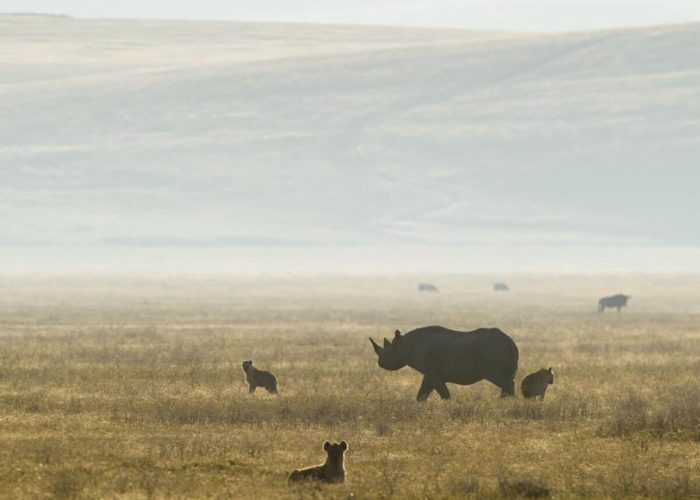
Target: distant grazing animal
<point>535,384</point>
<point>427,287</point>
<point>444,355</point>
<point>617,301</point>
<point>258,378</point>
<point>332,471</point>
<point>500,287</point>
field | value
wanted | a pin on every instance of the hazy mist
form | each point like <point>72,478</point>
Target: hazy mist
<point>196,146</point>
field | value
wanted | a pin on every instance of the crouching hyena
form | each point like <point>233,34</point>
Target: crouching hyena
<point>258,378</point>
<point>535,384</point>
<point>332,471</point>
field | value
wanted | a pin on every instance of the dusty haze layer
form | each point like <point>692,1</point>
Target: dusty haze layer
<point>154,145</point>
<point>538,15</point>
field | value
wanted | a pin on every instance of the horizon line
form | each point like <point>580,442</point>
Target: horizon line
<point>350,24</point>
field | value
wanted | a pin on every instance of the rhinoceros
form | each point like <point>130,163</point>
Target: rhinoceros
<point>443,355</point>
<point>616,301</point>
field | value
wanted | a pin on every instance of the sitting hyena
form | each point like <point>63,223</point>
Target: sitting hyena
<point>535,384</point>
<point>258,378</point>
<point>333,471</point>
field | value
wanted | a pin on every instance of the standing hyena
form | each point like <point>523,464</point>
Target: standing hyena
<point>332,471</point>
<point>258,378</point>
<point>535,384</point>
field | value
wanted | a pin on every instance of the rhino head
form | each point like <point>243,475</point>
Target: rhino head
<point>389,357</point>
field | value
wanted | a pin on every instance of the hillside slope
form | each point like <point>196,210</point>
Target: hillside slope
<point>154,134</point>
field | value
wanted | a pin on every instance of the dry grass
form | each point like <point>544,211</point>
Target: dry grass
<point>133,388</point>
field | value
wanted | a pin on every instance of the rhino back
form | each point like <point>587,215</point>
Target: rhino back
<point>461,357</point>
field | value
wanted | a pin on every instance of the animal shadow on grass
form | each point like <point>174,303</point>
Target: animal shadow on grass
<point>528,488</point>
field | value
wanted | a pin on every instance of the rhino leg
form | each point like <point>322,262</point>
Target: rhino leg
<point>442,389</point>
<point>430,383</point>
<point>509,391</point>
<point>506,384</point>
<point>426,387</point>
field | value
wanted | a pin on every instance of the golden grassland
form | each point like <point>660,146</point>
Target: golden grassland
<point>132,388</point>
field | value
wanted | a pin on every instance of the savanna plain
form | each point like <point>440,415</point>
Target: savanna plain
<point>132,387</point>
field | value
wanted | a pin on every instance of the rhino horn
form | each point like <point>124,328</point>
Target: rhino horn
<point>386,343</point>
<point>377,347</point>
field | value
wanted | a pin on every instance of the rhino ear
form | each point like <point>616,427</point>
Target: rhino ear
<point>387,344</point>
<point>343,445</point>
<point>550,369</point>
<point>377,349</point>
<point>397,334</point>
<point>326,446</point>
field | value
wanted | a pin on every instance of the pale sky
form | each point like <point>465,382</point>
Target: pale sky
<point>549,15</point>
